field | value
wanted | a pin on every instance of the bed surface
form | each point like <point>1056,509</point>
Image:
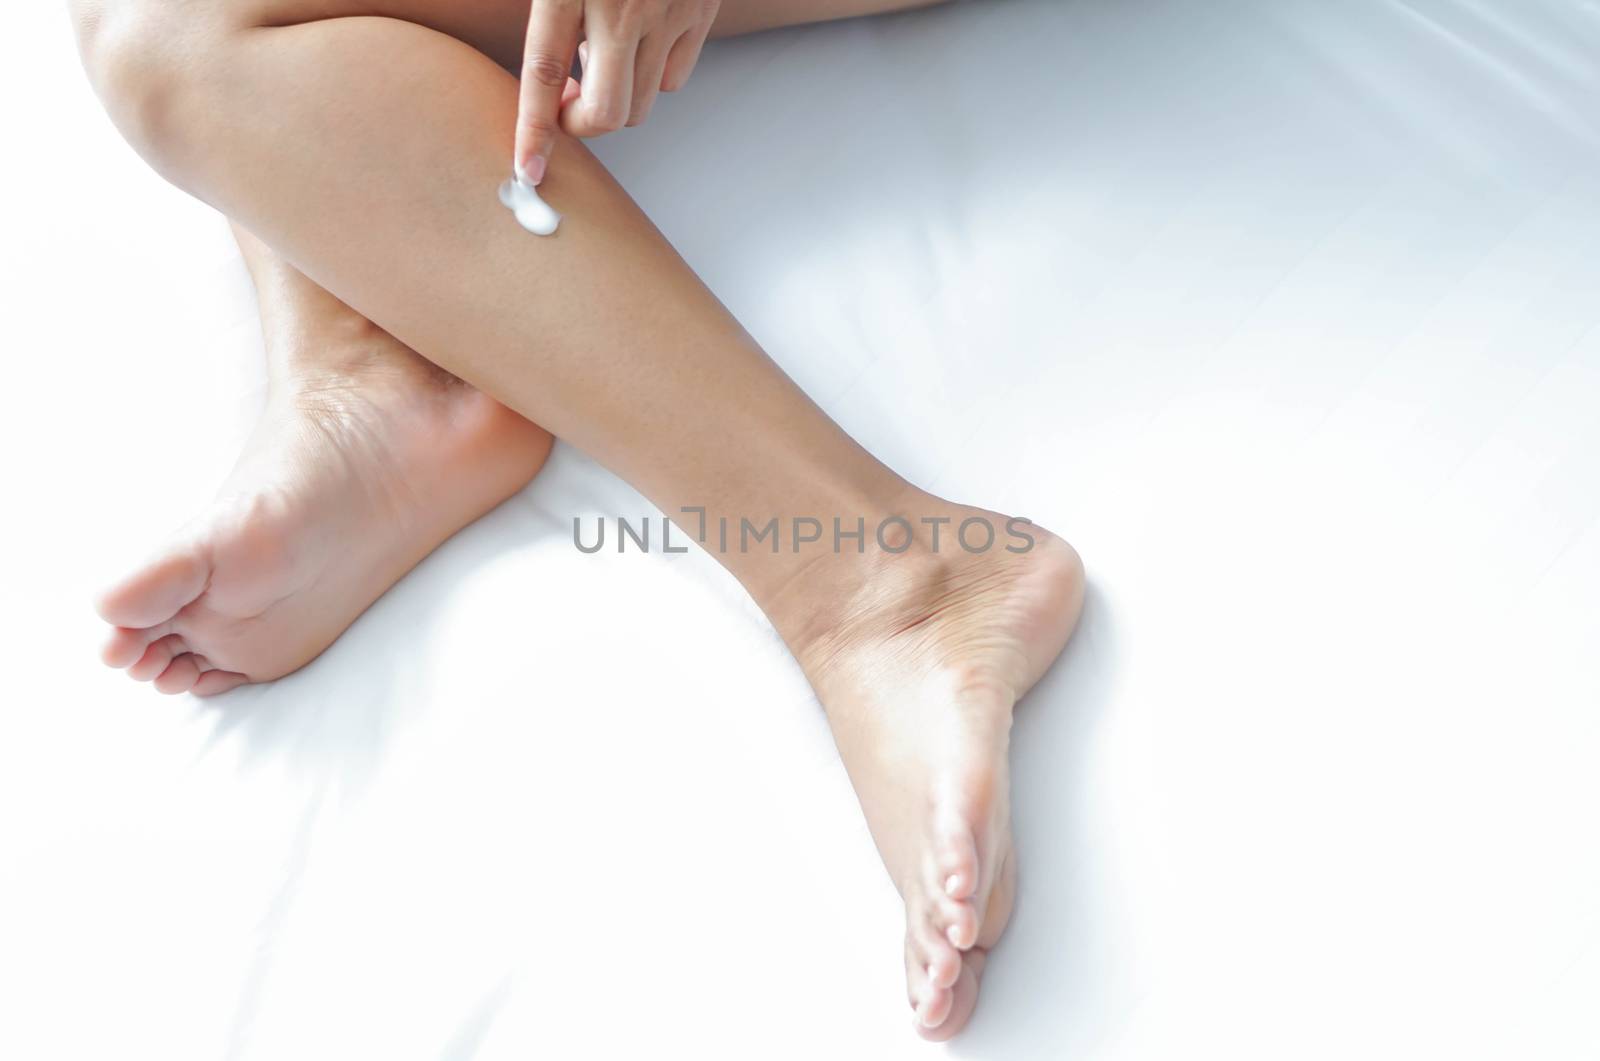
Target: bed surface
<point>1285,312</point>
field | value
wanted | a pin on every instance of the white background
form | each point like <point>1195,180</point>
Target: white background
<point>1286,313</point>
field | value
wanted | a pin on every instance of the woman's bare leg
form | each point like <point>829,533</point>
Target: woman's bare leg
<point>320,514</point>
<point>366,150</point>
<point>315,342</point>
<point>750,16</point>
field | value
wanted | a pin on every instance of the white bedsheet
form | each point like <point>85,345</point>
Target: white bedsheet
<point>1286,312</point>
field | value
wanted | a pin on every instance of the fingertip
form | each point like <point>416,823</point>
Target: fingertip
<point>530,170</point>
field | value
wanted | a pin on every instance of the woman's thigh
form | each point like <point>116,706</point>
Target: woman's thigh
<point>747,16</point>
<point>497,27</point>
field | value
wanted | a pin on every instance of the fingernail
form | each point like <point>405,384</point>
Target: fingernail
<point>532,173</point>
<point>953,936</point>
<point>953,883</point>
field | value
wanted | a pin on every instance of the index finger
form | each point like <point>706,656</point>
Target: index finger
<point>546,60</point>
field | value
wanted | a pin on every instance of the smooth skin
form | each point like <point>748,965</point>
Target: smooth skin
<point>418,336</point>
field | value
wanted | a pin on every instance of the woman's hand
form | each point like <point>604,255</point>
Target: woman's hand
<point>632,50</point>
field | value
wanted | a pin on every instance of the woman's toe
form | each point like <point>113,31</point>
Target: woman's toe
<point>157,657</point>
<point>943,968</point>
<point>956,863</point>
<point>179,677</point>
<point>960,923</point>
<point>214,682</point>
<point>934,1008</point>
<point>125,645</point>
<point>961,1000</point>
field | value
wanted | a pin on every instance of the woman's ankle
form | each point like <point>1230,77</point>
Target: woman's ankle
<point>889,560</point>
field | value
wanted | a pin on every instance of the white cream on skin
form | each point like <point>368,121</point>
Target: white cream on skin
<point>532,212</point>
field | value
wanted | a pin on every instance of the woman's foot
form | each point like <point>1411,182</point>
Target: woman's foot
<point>919,673</point>
<point>366,459</point>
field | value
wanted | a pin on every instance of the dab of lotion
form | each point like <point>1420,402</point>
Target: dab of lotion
<point>532,212</point>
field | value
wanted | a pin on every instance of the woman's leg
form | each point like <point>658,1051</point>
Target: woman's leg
<point>320,514</point>
<point>749,16</point>
<point>315,340</point>
<point>366,149</point>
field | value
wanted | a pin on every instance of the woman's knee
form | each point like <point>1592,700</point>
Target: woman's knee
<point>147,59</point>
